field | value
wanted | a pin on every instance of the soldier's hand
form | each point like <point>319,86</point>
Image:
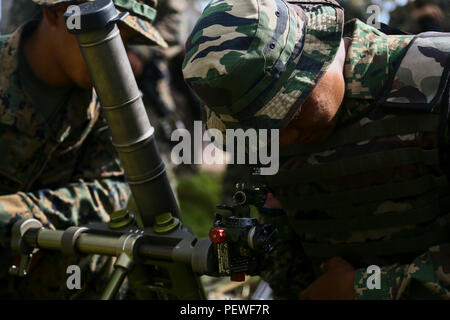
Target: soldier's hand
<point>336,283</point>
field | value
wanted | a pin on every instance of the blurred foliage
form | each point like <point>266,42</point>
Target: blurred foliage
<point>198,196</point>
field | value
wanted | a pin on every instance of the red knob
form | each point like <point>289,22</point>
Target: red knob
<point>217,235</point>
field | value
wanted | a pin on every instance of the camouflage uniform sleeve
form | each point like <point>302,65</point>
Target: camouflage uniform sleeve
<point>97,189</point>
<point>427,277</point>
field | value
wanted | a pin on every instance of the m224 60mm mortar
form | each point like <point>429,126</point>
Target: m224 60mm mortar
<point>154,249</point>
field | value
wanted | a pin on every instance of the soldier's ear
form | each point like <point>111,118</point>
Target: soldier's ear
<point>54,14</point>
<point>339,59</point>
<point>50,15</point>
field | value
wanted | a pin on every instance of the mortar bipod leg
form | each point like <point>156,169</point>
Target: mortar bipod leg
<point>122,266</point>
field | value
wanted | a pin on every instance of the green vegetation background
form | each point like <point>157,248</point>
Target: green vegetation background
<point>198,196</point>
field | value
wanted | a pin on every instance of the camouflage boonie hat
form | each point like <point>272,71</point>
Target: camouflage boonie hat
<point>140,18</point>
<point>254,62</point>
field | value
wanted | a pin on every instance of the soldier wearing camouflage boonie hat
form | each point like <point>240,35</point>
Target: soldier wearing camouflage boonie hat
<point>254,62</point>
<point>374,190</point>
<point>141,15</point>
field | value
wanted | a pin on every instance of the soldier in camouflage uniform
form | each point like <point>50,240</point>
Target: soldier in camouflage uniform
<point>363,115</point>
<point>58,164</point>
<point>352,9</point>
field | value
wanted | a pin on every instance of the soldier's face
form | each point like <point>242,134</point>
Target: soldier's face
<point>315,119</point>
<point>69,54</point>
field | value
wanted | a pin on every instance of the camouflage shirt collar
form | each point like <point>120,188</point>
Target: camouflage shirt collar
<point>370,59</point>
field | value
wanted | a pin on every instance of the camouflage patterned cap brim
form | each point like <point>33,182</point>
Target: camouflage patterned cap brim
<point>254,62</point>
<point>148,33</point>
<point>141,15</point>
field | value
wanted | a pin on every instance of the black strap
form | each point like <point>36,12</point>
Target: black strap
<point>392,190</point>
<point>355,165</point>
<point>391,31</point>
<point>334,227</point>
<point>314,2</point>
<point>398,125</point>
<point>434,236</point>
